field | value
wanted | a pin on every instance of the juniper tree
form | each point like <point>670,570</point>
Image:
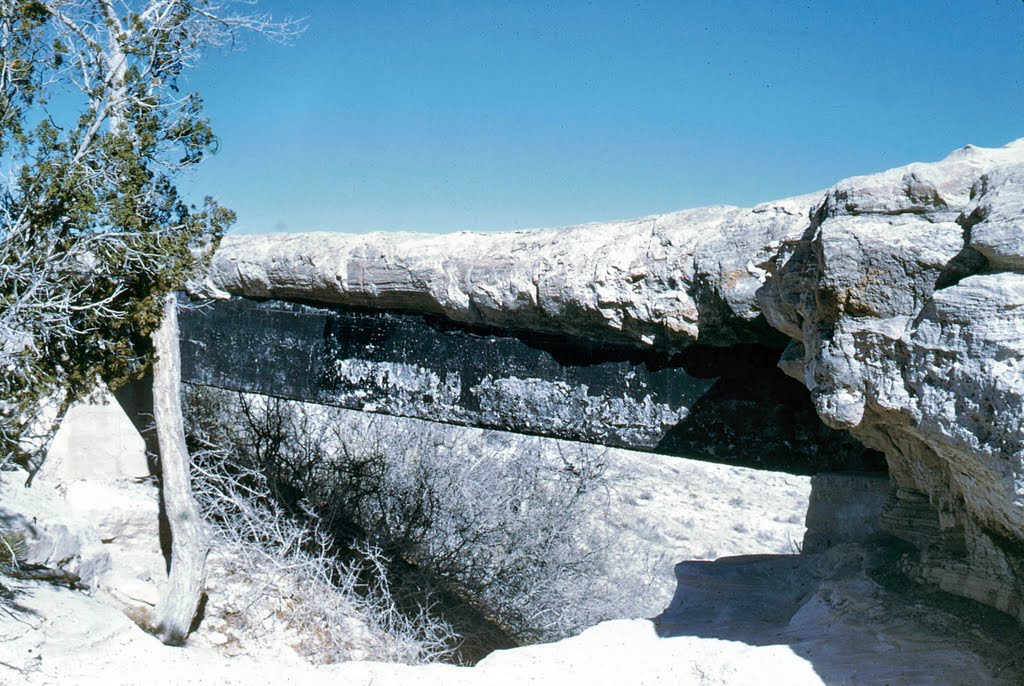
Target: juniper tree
<point>95,126</point>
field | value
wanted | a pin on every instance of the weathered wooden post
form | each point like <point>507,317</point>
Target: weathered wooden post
<point>189,547</point>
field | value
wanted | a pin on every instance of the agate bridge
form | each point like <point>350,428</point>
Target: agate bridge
<point>696,401</point>
<point>884,315</point>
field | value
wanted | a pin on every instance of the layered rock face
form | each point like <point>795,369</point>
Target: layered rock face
<point>901,293</point>
<point>905,301</point>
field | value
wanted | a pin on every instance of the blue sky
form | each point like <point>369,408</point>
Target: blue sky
<point>443,116</point>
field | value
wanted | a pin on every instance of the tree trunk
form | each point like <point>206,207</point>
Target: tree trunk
<point>177,607</point>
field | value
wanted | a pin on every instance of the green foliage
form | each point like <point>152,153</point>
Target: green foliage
<point>12,548</point>
<point>93,231</point>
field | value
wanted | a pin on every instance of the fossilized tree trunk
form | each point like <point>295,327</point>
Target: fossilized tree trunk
<point>177,607</point>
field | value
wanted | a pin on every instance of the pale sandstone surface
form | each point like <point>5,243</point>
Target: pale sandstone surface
<point>902,293</point>
<point>92,510</point>
<point>668,279</point>
<point>753,620</point>
<point>102,427</point>
<point>81,641</point>
<point>907,311</point>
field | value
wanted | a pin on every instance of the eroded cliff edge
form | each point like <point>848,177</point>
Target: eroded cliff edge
<point>901,293</point>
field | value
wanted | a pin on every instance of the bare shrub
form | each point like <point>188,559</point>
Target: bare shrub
<point>504,528</point>
<point>276,573</point>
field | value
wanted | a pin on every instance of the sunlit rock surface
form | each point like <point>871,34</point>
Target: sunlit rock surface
<point>905,301</point>
<point>668,280</point>
<point>902,295</point>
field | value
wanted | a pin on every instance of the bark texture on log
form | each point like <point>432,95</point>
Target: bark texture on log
<point>189,547</point>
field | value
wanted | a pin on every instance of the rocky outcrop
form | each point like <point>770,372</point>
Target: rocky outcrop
<point>91,517</point>
<point>906,305</point>
<point>901,295</point>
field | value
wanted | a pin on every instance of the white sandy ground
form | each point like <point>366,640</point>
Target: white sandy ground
<point>843,633</point>
<point>663,510</point>
<point>80,641</point>
<point>747,620</point>
<point>653,510</point>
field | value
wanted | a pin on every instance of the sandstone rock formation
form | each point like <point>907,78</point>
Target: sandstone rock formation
<point>902,295</point>
<point>906,305</point>
<point>92,514</point>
